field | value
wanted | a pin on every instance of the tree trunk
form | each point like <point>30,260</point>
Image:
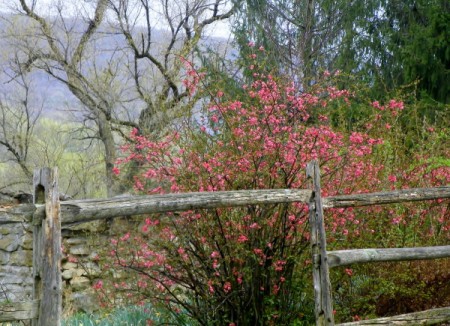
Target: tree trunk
<point>107,138</point>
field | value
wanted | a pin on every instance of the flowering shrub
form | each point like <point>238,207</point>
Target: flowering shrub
<point>248,266</point>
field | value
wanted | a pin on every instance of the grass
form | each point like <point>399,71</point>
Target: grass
<point>127,316</point>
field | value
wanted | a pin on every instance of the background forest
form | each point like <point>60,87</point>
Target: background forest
<point>148,96</point>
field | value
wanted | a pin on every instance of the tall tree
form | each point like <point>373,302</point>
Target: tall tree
<point>131,65</point>
<point>66,52</point>
<point>394,43</point>
<point>301,37</point>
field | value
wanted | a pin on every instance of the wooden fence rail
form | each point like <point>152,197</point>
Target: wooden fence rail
<point>358,256</point>
<point>47,214</point>
<point>80,211</point>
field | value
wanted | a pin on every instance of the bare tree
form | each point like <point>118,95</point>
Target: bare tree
<point>19,114</point>
<point>58,47</point>
<point>118,69</point>
<point>159,35</point>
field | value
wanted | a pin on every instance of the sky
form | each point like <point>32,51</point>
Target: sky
<point>86,7</point>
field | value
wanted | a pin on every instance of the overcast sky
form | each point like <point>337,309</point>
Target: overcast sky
<point>86,7</point>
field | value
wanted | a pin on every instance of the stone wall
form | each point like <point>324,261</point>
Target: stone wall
<point>79,268</point>
<point>16,244</point>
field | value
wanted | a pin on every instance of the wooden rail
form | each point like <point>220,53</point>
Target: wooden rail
<point>390,197</point>
<point>357,256</point>
<point>78,211</point>
<point>426,317</point>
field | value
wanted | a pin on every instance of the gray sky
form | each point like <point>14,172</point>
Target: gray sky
<point>86,7</point>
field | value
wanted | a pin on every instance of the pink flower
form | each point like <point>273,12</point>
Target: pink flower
<point>98,285</point>
<point>276,289</point>
<point>377,105</point>
<point>393,104</point>
<point>279,265</point>
<point>258,251</point>
<point>253,121</point>
<point>392,178</point>
<point>215,254</point>
<point>349,271</point>
<point>356,138</point>
<point>125,237</point>
<point>242,238</point>
<point>227,287</point>
<point>116,170</point>
<point>210,287</point>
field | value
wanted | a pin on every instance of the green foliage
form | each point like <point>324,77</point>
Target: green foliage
<point>60,144</point>
<point>394,43</point>
<point>298,35</point>
<point>127,316</point>
<point>387,289</point>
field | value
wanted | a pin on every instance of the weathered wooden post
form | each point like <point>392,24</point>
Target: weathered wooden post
<point>47,249</point>
<point>321,276</point>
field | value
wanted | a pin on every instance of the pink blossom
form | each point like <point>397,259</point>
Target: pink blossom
<point>356,138</point>
<point>377,105</point>
<point>125,237</point>
<point>394,104</point>
<point>258,251</point>
<point>210,287</point>
<point>215,254</point>
<point>392,178</point>
<point>98,285</point>
<point>242,238</point>
<point>227,287</point>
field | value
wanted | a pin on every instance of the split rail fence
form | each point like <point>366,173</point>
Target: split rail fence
<point>47,214</point>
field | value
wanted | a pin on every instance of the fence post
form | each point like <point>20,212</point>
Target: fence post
<point>47,249</point>
<point>321,278</point>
